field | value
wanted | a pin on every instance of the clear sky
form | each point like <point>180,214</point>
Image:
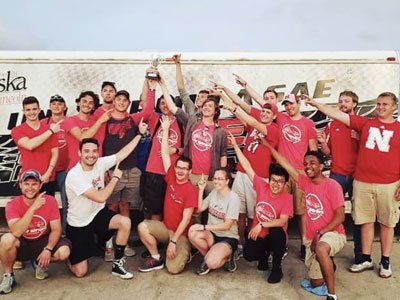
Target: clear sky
<point>200,25</point>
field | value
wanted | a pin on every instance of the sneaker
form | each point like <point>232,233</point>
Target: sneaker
<point>7,283</point>
<point>357,268</point>
<point>202,269</point>
<point>303,253</point>
<point>263,264</point>
<point>190,258</point>
<point>286,252</point>
<point>331,298</point>
<point>238,253</point>
<point>129,251</point>
<point>275,276</point>
<point>230,265</point>
<point>385,272</point>
<point>145,254</point>
<point>109,254</point>
<point>41,273</point>
<point>119,270</point>
<point>18,265</point>
<point>151,264</point>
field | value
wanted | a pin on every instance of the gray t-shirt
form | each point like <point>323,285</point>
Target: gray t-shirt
<point>221,208</point>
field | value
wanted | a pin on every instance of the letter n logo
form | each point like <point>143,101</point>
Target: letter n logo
<point>375,137</point>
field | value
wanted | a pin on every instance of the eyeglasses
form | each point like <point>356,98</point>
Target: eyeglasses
<point>277,181</point>
<point>219,178</point>
<point>182,168</point>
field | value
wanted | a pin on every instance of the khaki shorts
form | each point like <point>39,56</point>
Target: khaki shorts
<point>335,240</point>
<point>127,189</point>
<point>195,178</point>
<point>373,201</point>
<point>243,186</point>
<point>158,230</point>
<point>298,197</point>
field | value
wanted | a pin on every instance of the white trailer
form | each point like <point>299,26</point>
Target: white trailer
<point>322,75</point>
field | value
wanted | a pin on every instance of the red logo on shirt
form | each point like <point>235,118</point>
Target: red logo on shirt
<point>202,139</point>
<point>265,212</point>
<point>37,228</point>
<point>314,207</point>
<point>291,133</point>
<point>255,137</point>
<point>172,136</point>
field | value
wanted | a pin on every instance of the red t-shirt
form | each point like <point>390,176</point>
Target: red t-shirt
<point>201,148</point>
<point>101,132</point>
<point>343,142</point>
<point>40,223</point>
<point>154,164</point>
<point>269,208</point>
<point>378,158</point>
<point>177,198</point>
<point>63,159</point>
<point>321,202</point>
<point>38,158</point>
<point>295,135</point>
<point>73,144</point>
<point>259,155</point>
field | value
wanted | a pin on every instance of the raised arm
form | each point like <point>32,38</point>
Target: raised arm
<point>235,98</point>
<point>190,107</point>
<point>242,159</point>
<point>331,112</point>
<point>280,159</point>
<point>249,120</point>
<point>170,103</point>
<point>166,159</point>
<point>253,94</point>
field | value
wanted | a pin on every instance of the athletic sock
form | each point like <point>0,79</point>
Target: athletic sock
<point>157,256</point>
<point>366,257</point>
<point>333,296</point>
<point>119,251</point>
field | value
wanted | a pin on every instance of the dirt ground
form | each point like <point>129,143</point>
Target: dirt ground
<point>246,283</point>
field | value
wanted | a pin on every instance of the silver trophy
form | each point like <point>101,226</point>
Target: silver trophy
<point>155,61</point>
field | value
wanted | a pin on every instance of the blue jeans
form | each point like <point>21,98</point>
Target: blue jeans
<point>60,177</point>
<point>346,182</point>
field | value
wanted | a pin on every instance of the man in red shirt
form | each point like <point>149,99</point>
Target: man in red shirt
<point>376,178</point>
<point>179,204</point>
<point>341,142</point>
<point>37,144</point>
<point>324,205</point>
<point>273,208</point>
<point>35,231</point>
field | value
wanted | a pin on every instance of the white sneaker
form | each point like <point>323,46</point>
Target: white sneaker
<point>18,265</point>
<point>129,251</point>
<point>357,268</point>
<point>385,273</point>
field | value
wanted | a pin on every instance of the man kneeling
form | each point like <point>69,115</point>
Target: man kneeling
<point>179,204</point>
<point>35,231</point>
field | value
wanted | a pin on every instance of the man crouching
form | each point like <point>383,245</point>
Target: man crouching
<point>34,222</point>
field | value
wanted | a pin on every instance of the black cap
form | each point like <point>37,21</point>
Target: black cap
<point>31,173</point>
<point>57,97</point>
<point>122,92</point>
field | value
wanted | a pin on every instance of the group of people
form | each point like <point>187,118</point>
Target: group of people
<point>172,162</point>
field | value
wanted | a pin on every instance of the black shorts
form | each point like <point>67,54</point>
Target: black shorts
<point>83,240</point>
<point>154,187</point>
<point>233,243</point>
<point>30,249</point>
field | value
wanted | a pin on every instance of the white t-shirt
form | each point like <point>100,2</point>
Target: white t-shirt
<point>81,210</point>
<point>221,208</point>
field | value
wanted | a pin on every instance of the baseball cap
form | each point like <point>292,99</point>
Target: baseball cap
<point>271,107</point>
<point>122,92</point>
<point>292,98</point>
<point>31,173</point>
<point>57,98</point>
<point>110,83</point>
